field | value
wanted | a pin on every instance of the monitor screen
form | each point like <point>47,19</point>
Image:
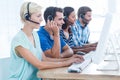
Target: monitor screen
<point>99,54</point>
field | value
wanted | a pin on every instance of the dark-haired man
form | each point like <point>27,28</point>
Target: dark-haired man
<point>81,31</point>
<point>51,43</point>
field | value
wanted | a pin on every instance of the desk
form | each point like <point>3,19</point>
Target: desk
<point>89,73</point>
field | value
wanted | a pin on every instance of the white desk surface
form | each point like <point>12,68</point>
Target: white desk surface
<point>89,73</point>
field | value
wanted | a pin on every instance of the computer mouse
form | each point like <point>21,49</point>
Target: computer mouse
<point>80,53</point>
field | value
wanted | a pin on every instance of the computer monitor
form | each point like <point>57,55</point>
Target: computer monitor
<point>99,54</point>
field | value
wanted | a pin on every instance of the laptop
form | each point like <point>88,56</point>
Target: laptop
<point>99,54</point>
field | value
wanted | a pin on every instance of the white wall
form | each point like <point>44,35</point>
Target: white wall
<point>9,25</point>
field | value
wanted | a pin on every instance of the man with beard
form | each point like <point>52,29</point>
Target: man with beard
<point>81,31</point>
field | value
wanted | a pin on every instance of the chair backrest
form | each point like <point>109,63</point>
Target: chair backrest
<point>4,68</point>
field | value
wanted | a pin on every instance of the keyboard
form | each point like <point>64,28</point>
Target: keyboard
<point>79,67</point>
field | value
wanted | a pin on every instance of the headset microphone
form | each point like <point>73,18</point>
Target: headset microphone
<point>85,21</point>
<point>33,21</point>
<point>27,15</point>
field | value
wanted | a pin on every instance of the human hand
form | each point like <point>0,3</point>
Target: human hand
<point>94,44</point>
<point>78,56</point>
<point>74,60</point>
<point>52,28</point>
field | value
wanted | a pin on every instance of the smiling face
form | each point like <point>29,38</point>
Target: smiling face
<point>88,17</point>
<point>59,19</point>
<point>36,17</point>
<point>72,17</point>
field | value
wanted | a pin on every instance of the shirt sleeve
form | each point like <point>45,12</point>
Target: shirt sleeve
<point>63,43</point>
<point>45,44</point>
<point>20,42</point>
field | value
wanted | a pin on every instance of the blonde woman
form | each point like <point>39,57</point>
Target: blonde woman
<point>26,54</point>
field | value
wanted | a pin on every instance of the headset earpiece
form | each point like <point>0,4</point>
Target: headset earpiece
<point>50,18</point>
<point>27,16</point>
<point>66,18</point>
<point>85,21</point>
<point>82,16</point>
<point>67,21</point>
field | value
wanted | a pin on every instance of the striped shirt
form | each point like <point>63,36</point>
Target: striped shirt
<point>80,34</point>
<point>69,41</point>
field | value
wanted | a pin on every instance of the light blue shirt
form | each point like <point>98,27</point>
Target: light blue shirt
<point>80,34</point>
<point>20,69</point>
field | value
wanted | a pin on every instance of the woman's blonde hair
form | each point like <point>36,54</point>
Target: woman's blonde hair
<point>30,7</point>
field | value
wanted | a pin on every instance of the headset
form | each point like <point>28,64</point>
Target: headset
<point>27,15</point>
<point>65,16</point>
<point>50,18</point>
<point>82,16</point>
<point>66,19</point>
<point>49,13</point>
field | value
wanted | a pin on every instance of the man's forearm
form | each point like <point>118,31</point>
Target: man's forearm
<point>56,59</point>
<point>86,50</point>
<point>67,53</point>
<point>56,47</point>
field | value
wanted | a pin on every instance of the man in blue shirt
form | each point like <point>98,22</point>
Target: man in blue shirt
<point>51,43</point>
<point>81,31</point>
